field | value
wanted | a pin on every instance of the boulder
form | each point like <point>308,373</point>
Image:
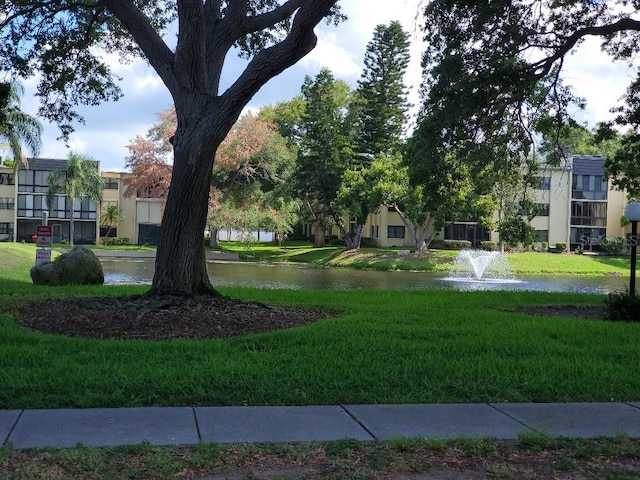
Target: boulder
<point>80,266</point>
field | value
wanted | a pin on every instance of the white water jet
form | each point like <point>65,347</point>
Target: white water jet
<point>481,265</point>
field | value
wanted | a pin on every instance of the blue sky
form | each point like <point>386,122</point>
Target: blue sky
<point>110,126</point>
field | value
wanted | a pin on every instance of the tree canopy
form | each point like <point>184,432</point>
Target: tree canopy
<point>63,40</point>
<point>491,60</point>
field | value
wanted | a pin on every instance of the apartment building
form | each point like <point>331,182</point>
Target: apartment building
<point>23,207</point>
<point>577,206</point>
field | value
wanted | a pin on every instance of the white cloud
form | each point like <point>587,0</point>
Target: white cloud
<point>331,54</point>
<point>597,78</point>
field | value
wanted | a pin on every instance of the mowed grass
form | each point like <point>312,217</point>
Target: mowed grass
<point>524,263</point>
<point>383,347</point>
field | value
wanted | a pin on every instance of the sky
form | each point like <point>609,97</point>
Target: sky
<point>111,126</point>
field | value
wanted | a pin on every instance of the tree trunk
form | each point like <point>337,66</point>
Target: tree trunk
<point>318,235</point>
<point>180,259</point>
<point>213,236</point>
<point>71,229</point>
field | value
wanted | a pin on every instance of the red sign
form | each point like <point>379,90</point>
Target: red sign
<point>44,230</point>
<point>44,236</point>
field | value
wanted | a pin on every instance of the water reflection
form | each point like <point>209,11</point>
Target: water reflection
<point>303,277</point>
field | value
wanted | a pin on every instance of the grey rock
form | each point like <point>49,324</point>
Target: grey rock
<point>80,266</point>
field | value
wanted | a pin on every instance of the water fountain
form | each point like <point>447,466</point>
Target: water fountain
<point>480,265</point>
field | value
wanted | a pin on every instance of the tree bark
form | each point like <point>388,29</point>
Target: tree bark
<point>180,259</point>
<point>213,236</point>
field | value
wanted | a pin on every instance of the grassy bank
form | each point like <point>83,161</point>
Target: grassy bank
<point>385,347</point>
<point>433,261</point>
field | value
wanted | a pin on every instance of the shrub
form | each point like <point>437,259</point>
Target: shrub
<point>368,242</point>
<point>616,246</point>
<point>623,306</point>
<point>561,247</point>
<point>110,241</point>
<point>545,246</point>
<point>450,244</point>
<point>491,246</point>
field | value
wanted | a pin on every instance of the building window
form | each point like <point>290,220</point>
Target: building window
<point>84,209</point>
<point>6,228</point>
<point>395,231</point>
<point>543,210</point>
<point>7,203</point>
<point>7,179</point>
<point>589,187</point>
<point>33,181</point>
<point>544,183</point>
<point>31,206</point>
<point>589,213</point>
<point>543,235</point>
<point>110,183</point>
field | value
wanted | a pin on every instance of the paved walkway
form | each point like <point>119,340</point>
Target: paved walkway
<point>188,426</point>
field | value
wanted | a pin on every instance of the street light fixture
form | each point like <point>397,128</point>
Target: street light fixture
<point>632,213</point>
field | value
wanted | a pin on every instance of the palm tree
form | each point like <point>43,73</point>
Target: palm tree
<point>79,179</point>
<point>111,216</point>
<point>16,127</point>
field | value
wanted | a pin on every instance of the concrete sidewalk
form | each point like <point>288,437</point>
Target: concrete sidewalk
<point>188,426</point>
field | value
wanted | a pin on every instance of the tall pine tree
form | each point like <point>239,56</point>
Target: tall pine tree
<point>381,94</point>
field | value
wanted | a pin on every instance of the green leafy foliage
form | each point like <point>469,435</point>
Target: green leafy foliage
<point>517,230</point>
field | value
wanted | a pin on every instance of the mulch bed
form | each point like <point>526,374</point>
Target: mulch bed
<point>161,318</point>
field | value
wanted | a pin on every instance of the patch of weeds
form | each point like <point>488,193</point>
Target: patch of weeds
<point>204,454</point>
<point>342,447</point>
<point>535,441</point>
<point>563,463</point>
<point>404,444</point>
<point>5,452</point>
<point>382,458</point>
<point>477,447</point>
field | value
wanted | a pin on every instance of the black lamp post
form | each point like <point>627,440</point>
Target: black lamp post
<point>632,213</point>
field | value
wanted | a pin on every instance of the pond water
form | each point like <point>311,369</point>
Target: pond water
<point>302,276</point>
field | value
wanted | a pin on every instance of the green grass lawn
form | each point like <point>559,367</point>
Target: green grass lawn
<point>385,347</point>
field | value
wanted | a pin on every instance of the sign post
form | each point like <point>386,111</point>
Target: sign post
<point>43,241</point>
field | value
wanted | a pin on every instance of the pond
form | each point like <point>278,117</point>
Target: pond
<point>303,276</point>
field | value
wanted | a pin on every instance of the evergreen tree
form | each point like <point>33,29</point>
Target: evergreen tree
<point>325,149</point>
<point>382,103</point>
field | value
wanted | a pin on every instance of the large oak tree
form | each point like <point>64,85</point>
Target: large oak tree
<point>61,39</point>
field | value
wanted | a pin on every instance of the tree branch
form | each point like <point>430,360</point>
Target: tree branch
<point>274,60</point>
<point>157,52</point>
<point>277,15</point>
<point>542,67</point>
